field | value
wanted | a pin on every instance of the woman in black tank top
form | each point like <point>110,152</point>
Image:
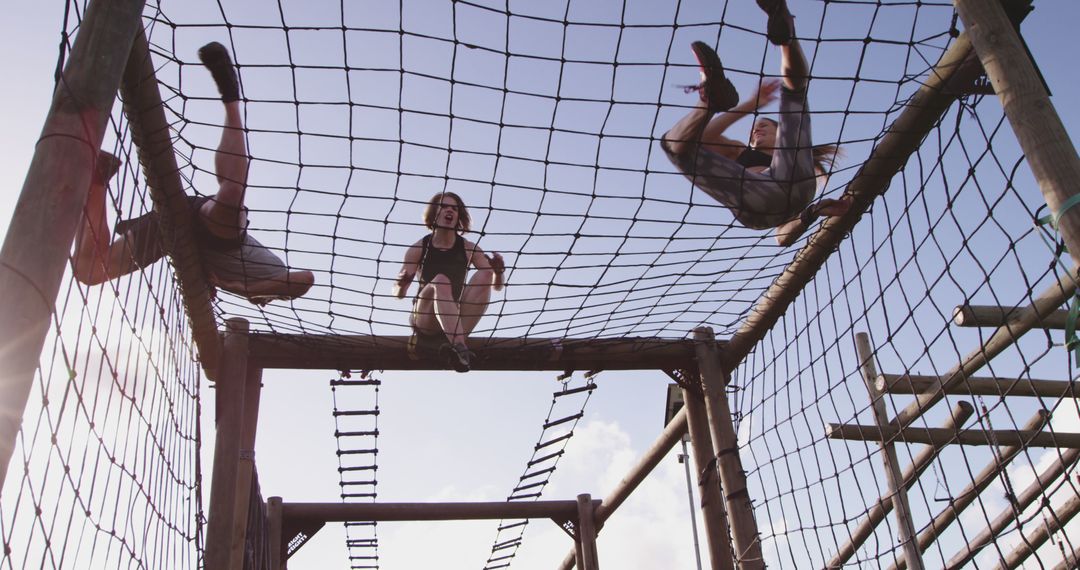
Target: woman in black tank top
<point>447,307</point>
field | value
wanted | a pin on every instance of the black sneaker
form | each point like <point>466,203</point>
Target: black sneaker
<point>216,58</point>
<point>781,27</point>
<point>457,356</point>
<point>716,89</point>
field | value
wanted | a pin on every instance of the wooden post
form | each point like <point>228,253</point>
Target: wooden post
<point>227,445</point>
<point>1038,127</point>
<point>277,541</point>
<point>892,463</point>
<point>1009,514</point>
<point>960,415</point>
<point>49,210</point>
<point>245,468</point>
<point>717,532</point>
<point>725,442</point>
<point>996,316</point>
<point>586,532</point>
<point>978,386</point>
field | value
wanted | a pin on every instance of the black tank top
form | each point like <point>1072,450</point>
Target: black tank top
<point>751,157</point>
<point>453,263</point>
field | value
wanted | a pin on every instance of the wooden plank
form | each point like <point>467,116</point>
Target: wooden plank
<point>1038,128</point>
<point>744,531</point>
<point>995,316</point>
<point>912,554</point>
<point>37,247</point>
<point>978,386</point>
<point>717,533</point>
<point>350,352</point>
<point>345,512</point>
<point>229,418</point>
<point>586,532</point>
<point>1009,515</point>
<point>1033,540</point>
<point>876,514</point>
<point>982,480</point>
<point>150,131</point>
<point>940,436</point>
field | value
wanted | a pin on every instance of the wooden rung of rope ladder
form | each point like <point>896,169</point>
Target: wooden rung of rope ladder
<point>977,386</point>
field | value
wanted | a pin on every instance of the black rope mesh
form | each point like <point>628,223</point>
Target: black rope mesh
<point>546,118</point>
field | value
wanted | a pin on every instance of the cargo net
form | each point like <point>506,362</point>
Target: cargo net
<point>546,119</point>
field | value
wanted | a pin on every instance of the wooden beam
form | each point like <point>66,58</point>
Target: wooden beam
<point>48,212</point>
<point>978,386</point>
<point>1071,560</point>
<point>152,135</point>
<point>912,554</point>
<point>343,352</point>
<point>995,316</point>
<point>999,340</point>
<point>586,532</point>
<point>940,436</point>
<point>1009,515</point>
<point>347,512</point>
<point>984,479</point>
<point>717,532</point>
<point>671,435</point>
<point>1033,540</point>
<point>725,442</point>
<point>229,419</point>
<point>1038,128</point>
<point>876,514</point>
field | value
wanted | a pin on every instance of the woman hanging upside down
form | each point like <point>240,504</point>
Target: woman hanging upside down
<point>446,308</point>
<point>771,183</point>
<point>233,260</point>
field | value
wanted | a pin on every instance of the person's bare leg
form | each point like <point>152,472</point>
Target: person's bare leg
<point>93,239</point>
<point>225,214</point>
<point>475,299</point>
<point>447,311</point>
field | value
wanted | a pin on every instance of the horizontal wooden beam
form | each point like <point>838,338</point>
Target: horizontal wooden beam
<point>942,436</point>
<point>995,316</point>
<point>977,386</point>
<point>361,352</point>
<point>347,512</point>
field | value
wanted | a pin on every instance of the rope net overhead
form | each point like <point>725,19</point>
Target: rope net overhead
<point>546,119</point>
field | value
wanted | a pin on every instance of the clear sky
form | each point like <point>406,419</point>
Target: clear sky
<point>466,437</point>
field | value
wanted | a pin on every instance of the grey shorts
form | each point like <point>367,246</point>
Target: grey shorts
<point>767,199</point>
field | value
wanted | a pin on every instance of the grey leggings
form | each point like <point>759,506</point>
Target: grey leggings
<point>767,199</point>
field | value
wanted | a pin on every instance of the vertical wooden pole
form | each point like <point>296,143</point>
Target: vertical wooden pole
<point>1036,123</point>
<point>229,419</point>
<point>586,532</point>
<point>49,210</point>
<point>901,507</point>
<point>245,466</point>
<point>726,445</point>
<point>277,550</point>
<point>717,533</point>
